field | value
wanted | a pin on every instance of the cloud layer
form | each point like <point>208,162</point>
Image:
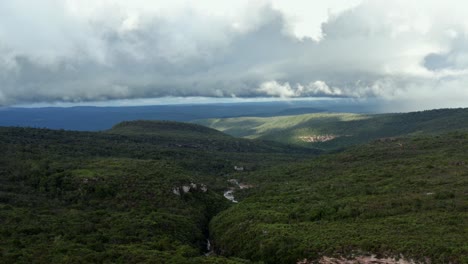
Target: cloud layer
<point>73,51</point>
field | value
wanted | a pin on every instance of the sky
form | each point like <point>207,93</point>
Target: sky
<point>410,54</point>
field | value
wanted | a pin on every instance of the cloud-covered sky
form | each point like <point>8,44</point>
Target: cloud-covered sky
<point>414,53</point>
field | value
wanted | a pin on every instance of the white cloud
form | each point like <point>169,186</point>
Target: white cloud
<point>285,90</point>
<point>273,88</point>
<point>306,17</point>
<point>319,88</point>
<point>109,49</point>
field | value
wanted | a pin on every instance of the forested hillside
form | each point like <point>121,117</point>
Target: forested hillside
<point>152,192</point>
<point>71,197</point>
<point>334,130</point>
<point>401,198</point>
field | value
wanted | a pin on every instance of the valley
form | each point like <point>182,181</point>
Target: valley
<point>170,192</point>
<point>233,132</point>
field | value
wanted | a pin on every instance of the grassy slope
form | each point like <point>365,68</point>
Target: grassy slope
<point>352,128</point>
<point>105,197</point>
<point>379,198</point>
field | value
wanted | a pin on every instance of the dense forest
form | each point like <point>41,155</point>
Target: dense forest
<point>403,197</point>
<point>152,192</point>
<point>118,195</point>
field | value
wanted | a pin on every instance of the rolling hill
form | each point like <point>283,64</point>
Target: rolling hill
<point>141,192</point>
<point>92,118</point>
<point>401,198</point>
<point>152,192</point>
<point>166,128</point>
<point>335,130</point>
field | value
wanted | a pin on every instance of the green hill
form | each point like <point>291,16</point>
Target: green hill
<point>196,137</point>
<point>165,128</point>
<point>152,192</point>
<point>335,130</point>
<point>143,192</point>
<point>404,197</point>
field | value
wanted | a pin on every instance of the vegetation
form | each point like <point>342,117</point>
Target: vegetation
<point>392,197</point>
<point>168,129</point>
<point>152,192</point>
<point>70,197</point>
<point>345,129</point>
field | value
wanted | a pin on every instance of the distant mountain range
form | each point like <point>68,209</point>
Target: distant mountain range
<point>87,118</point>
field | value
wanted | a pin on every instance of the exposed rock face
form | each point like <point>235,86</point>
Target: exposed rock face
<point>317,138</point>
<point>359,260</point>
<point>233,181</point>
<point>240,185</point>
<point>245,186</point>
<point>186,188</point>
<point>238,168</point>
<point>192,187</point>
<point>176,191</point>
<point>229,193</point>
